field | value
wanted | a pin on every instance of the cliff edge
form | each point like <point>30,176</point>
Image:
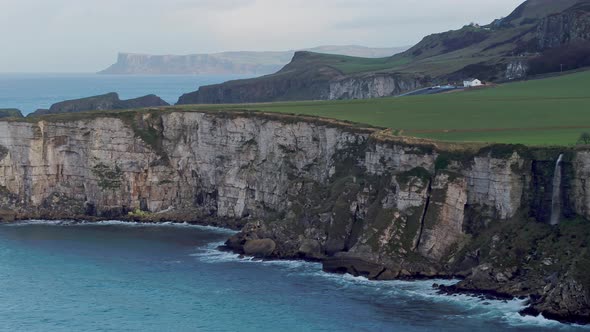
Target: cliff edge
<point>357,199</point>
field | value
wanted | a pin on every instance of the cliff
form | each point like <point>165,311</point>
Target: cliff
<point>226,63</point>
<point>109,101</point>
<point>543,31</point>
<point>358,199</point>
<point>306,77</point>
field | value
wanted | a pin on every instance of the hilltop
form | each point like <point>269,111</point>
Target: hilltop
<point>241,62</point>
<point>537,37</point>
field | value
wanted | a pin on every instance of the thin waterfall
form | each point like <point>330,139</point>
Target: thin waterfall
<point>556,196</point>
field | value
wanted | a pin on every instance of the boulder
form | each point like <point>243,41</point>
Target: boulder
<point>260,247</point>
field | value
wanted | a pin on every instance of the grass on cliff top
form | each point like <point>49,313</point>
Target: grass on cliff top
<point>551,111</point>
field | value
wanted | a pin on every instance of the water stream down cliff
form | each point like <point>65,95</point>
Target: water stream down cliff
<point>357,199</point>
<point>556,196</point>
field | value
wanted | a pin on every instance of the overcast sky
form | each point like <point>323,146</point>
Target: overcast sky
<point>85,35</point>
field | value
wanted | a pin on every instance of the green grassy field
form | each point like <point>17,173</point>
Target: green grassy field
<point>551,111</point>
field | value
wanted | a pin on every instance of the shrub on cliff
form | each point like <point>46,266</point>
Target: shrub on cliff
<point>584,139</point>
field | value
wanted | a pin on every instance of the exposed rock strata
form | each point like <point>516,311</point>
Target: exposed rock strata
<point>357,199</point>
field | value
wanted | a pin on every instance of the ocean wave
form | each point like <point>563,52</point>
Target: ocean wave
<point>211,254</point>
<point>117,223</point>
<point>505,311</point>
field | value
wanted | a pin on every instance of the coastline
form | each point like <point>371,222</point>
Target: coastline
<point>442,289</point>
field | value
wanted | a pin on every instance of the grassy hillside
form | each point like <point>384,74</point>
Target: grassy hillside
<point>551,111</point>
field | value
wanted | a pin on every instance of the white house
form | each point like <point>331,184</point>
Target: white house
<point>472,82</point>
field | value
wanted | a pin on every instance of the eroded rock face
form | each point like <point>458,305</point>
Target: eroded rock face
<point>361,202</point>
<point>373,86</point>
<point>516,69</point>
<point>568,27</point>
<point>581,184</point>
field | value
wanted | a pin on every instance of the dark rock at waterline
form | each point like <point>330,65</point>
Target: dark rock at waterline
<point>109,101</point>
<point>7,216</point>
<point>357,267</point>
<point>260,247</point>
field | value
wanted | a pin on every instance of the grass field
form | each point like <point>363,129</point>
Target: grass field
<point>551,111</point>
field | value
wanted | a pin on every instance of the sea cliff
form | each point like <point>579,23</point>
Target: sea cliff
<point>358,199</point>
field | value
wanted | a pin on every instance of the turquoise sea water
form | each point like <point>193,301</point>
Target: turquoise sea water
<point>113,276</point>
<point>29,92</point>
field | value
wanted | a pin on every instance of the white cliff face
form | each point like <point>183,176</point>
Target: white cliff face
<point>517,69</point>
<point>443,224</point>
<point>235,166</point>
<point>494,185</point>
<point>248,161</point>
<point>373,86</point>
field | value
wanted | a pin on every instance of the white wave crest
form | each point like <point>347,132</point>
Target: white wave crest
<point>118,223</point>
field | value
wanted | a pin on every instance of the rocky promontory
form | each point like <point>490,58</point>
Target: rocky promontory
<point>358,199</point>
<point>109,101</point>
<point>306,77</point>
<point>10,113</point>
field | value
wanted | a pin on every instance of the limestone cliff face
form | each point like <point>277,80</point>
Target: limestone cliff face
<point>373,86</point>
<point>516,69</point>
<point>359,199</point>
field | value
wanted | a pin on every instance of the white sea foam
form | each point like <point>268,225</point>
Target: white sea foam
<point>506,311</point>
<point>211,254</point>
<point>118,223</point>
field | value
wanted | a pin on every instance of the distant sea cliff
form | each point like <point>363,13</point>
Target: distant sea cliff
<point>246,63</point>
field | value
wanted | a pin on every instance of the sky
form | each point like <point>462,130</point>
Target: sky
<point>86,35</point>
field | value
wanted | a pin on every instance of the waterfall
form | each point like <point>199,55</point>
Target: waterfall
<point>556,196</point>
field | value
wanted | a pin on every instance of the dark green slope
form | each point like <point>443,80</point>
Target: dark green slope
<point>537,37</point>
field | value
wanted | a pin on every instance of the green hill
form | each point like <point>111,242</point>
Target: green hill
<point>538,37</point>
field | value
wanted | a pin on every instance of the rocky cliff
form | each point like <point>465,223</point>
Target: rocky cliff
<point>570,26</point>
<point>358,199</point>
<point>306,78</point>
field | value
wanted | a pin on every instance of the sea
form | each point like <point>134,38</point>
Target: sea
<point>118,276</point>
<point>29,92</point>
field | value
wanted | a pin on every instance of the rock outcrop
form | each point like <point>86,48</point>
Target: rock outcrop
<point>570,26</point>
<point>10,113</point>
<point>305,78</point>
<point>373,86</point>
<point>358,199</point>
<point>109,101</point>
